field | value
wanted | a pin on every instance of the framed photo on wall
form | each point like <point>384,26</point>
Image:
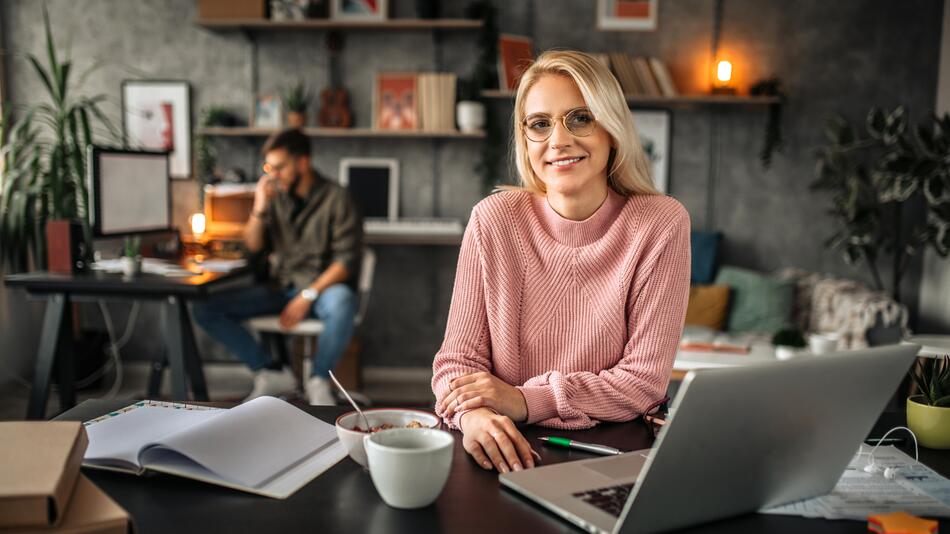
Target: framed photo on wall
<point>374,184</point>
<point>396,101</point>
<point>655,127</point>
<point>156,115</point>
<point>359,9</point>
<point>626,15</point>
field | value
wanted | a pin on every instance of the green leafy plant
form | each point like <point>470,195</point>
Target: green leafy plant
<point>933,381</point>
<point>876,179</point>
<point>44,160</point>
<point>297,97</point>
<point>773,124</point>
<point>132,247</point>
<point>789,337</point>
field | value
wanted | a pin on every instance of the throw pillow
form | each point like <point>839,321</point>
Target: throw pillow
<point>760,303</point>
<point>704,256</point>
<point>708,306</point>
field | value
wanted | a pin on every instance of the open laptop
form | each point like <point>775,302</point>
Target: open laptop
<point>740,439</point>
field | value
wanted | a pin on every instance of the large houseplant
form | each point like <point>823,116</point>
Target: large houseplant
<point>889,190</point>
<point>928,412</point>
<point>44,160</point>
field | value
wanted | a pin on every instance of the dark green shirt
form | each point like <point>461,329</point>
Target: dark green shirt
<point>324,227</point>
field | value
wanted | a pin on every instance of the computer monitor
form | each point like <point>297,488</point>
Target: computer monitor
<point>129,191</point>
<point>374,184</point>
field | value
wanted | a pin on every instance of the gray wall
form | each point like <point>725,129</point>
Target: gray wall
<point>838,57</point>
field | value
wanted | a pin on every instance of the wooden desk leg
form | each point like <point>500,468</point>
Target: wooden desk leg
<point>174,347</point>
<point>196,374</point>
<point>51,340</point>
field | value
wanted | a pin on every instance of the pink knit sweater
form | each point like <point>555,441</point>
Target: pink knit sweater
<point>584,317</point>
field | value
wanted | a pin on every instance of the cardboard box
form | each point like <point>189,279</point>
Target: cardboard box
<point>232,9</point>
<point>39,467</point>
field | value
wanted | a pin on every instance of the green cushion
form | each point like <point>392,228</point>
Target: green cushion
<point>760,303</point>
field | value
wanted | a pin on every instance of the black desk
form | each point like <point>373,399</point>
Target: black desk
<point>343,499</point>
<point>55,348</point>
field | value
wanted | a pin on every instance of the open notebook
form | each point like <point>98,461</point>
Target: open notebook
<point>265,446</point>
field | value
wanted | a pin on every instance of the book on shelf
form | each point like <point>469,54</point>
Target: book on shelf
<point>437,101</point>
<point>642,76</point>
<point>515,55</point>
<point>663,78</point>
<point>273,449</point>
<point>645,75</point>
<point>623,69</point>
<point>38,471</point>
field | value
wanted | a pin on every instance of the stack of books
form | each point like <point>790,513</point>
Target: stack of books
<point>41,488</point>
<point>642,76</point>
<point>436,101</point>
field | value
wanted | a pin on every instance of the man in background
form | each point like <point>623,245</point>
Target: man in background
<point>311,231</point>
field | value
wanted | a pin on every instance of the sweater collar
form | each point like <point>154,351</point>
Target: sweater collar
<point>578,233</point>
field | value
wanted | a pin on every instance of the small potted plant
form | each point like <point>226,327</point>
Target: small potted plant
<point>928,412</point>
<point>788,343</point>
<point>131,257</point>
<point>296,99</point>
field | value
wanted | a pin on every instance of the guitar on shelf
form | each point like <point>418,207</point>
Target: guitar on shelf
<point>334,100</point>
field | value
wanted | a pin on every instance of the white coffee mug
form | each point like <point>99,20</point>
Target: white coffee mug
<point>409,466</point>
<point>820,343</point>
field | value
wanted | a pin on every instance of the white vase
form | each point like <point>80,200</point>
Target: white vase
<point>131,266</point>
<point>470,116</point>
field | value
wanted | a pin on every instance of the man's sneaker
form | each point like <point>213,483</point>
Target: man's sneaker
<point>319,392</point>
<point>270,382</point>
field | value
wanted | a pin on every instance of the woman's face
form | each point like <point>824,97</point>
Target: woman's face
<point>568,164</point>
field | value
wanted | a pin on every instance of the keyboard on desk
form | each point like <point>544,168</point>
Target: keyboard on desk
<point>611,499</point>
<point>419,226</point>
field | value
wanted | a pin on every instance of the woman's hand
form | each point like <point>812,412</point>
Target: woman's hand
<point>484,390</point>
<point>493,440</point>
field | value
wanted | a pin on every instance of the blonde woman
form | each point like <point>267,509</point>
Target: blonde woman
<point>571,290</point>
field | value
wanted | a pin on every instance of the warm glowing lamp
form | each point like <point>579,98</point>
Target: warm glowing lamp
<point>198,224</point>
<point>723,84</point>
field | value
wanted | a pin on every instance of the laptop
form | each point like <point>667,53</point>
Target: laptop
<point>740,439</point>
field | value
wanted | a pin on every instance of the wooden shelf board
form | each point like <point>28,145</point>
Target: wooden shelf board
<point>250,131</point>
<point>734,100</point>
<point>333,24</point>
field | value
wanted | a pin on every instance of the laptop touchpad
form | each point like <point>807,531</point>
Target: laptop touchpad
<point>619,467</point>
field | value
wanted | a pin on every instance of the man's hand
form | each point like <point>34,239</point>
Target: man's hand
<point>294,312</point>
<point>265,190</point>
<point>478,390</point>
<point>494,441</point>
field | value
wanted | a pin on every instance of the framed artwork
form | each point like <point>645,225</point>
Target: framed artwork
<point>156,115</point>
<point>268,111</point>
<point>359,9</point>
<point>515,55</point>
<point>396,102</point>
<point>654,127</point>
<point>374,184</point>
<point>635,15</point>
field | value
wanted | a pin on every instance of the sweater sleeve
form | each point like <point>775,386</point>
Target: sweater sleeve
<point>656,310</point>
<point>465,349</point>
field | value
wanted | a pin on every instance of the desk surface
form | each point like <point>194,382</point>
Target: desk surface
<point>143,285</point>
<point>344,500</point>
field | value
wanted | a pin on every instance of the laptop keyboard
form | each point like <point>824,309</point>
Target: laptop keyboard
<point>610,499</point>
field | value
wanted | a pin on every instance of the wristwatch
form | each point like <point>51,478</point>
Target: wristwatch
<point>310,294</point>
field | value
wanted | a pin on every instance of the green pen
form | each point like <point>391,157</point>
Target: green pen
<point>581,446</point>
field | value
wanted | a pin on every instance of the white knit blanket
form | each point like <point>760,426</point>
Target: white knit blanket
<point>827,304</point>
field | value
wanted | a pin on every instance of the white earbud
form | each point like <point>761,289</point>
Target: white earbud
<point>871,467</point>
<point>891,473</point>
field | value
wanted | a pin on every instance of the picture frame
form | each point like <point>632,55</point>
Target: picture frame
<point>156,115</point>
<point>515,55</point>
<point>359,10</point>
<point>654,127</point>
<point>268,111</point>
<point>396,101</point>
<point>374,185</point>
<point>627,15</point>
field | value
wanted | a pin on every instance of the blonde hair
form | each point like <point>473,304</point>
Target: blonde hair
<point>629,171</point>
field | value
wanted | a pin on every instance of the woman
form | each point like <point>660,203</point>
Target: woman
<point>571,290</point>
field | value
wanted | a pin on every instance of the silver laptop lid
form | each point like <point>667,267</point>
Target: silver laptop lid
<point>747,438</point>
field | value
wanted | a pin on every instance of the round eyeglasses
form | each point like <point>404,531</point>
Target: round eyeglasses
<point>539,127</point>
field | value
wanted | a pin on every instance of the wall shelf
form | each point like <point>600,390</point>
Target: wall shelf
<point>330,24</point>
<point>250,131</point>
<point>683,100</point>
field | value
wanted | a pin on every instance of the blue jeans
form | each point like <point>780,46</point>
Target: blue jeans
<point>221,316</point>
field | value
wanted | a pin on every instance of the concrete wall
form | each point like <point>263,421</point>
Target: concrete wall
<point>833,57</point>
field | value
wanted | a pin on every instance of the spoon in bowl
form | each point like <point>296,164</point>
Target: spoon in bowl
<point>352,402</point>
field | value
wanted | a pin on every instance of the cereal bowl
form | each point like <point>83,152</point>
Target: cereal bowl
<point>348,426</point>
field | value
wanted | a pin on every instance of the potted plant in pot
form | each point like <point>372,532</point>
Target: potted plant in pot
<point>131,256</point>
<point>928,412</point>
<point>788,343</point>
<point>297,99</point>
